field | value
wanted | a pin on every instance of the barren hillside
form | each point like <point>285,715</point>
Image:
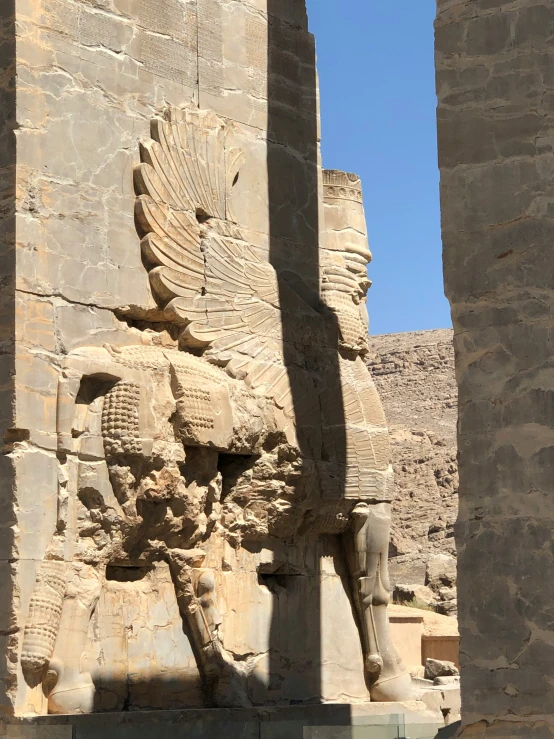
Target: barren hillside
<point>414,373</point>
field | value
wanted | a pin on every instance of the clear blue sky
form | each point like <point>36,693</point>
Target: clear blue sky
<point>375,61</point>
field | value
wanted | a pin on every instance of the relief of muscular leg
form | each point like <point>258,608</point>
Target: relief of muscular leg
<point>367,544</point>
<point>73,689</point>
<point>223,678</point>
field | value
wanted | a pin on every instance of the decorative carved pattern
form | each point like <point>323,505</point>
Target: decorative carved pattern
<point>139,357</point>
<point>342,186</point>
<point>158,359</point>
<point>120,420</point>
<point>196,406</point>
<point>185,177</point>
<point>352,328</point>
<point>330,524</point>
<point>344,280</point>
<point>203,272</point>
<point>41,629</point>
<point>195,369</point>
<point>217,445</point>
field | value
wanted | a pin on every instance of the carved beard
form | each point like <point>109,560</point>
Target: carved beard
<point>353,329</point>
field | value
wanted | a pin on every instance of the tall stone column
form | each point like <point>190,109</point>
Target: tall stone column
<point>495,84</point>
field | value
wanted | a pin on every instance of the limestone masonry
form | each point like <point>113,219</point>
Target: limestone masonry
<point>495,85</point>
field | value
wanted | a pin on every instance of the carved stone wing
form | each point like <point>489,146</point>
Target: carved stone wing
<point>182,179</point>
<point>202,271</point>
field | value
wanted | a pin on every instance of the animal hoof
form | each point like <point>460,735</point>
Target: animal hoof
<point>72,698</point>
<point>398,688</point>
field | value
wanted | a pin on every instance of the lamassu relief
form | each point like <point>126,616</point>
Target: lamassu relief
<point>203,464</point>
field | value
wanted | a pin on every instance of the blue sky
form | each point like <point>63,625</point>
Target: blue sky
<point>375,60</point>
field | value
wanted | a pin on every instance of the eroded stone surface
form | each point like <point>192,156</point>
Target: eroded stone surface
<point>198,468</point>
<point>495,88</point>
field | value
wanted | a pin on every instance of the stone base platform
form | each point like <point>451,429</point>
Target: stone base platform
<point>369,721</point>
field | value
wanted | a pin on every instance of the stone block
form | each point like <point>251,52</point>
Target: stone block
<point>534,26</point>
<point>7,509</point>
<point>441,571</point>
<point>491,137</point>
<point>265,200</point>
<point>39,732</point>
<point>141,657</point>
<point>37,485</point>
<point>441,647</point>
<point>435,668</point>
<point>292,13</point>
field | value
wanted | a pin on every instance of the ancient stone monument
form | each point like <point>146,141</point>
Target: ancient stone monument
<point>495,89</point>
<point>197,478</point>
<point>188,454</point>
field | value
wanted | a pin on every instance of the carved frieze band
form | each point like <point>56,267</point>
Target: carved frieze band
<point>341,186</point>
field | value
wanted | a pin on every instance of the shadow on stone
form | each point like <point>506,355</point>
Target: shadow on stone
<point>293,184</point>
<point>449,732</point>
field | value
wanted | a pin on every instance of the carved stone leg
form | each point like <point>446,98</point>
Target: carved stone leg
<point>43,623</point>
<point>223,678</point>
<point>73,689</point>
<point>367,545</point>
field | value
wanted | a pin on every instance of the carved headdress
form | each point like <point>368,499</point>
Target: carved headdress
<point>345,257</point>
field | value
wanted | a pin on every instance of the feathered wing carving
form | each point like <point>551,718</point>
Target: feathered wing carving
<point>181,177</point>
<point>203,272</point>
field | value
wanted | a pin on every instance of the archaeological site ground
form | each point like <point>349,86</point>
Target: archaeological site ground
<point>226,511</point>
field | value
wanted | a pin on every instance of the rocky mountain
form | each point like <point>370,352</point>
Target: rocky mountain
<point>414,373</point>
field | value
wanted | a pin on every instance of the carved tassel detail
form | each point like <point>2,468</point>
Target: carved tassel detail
<point>120,420</point>
<point>45,611</point>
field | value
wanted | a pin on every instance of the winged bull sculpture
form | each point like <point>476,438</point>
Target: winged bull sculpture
<point>141,428</point>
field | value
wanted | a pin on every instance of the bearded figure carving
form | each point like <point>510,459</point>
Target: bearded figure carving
<point>165,448</point>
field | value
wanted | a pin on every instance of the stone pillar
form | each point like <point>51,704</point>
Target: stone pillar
<point>495,84</point>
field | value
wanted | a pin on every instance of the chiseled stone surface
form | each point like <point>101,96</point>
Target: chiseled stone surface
<point>495,87</point>
<point>414,374</point>
<point>197,476</point>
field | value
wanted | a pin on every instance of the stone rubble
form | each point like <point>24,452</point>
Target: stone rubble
<point>435,668</point>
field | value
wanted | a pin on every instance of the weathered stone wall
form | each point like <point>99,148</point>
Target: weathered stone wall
<point>91,75</point>
<point>139,246</point>
<point>495,85</point>
<point>414,373</point>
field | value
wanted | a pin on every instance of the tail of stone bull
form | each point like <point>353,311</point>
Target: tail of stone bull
<point>41,629</point>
